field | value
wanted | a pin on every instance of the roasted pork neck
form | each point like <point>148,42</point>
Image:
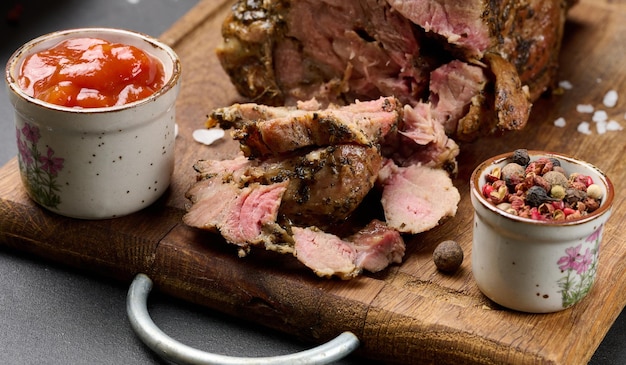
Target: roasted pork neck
<point>280,51</point>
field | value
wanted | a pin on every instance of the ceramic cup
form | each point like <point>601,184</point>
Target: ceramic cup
<point>536,266</point>
<point>96,163</point>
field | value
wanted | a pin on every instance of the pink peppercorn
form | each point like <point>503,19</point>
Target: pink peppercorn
<point>568,211</point>
<point>535,214</point>
<point>487,189</point>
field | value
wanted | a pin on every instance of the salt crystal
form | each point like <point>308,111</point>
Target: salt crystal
<point>583,128</point>
<point>207,136</point>
<point>584,108</point>
<point>600,116</point>
<point>560,122</point>
<point>610,99</point>
<point>601,127</point>
<point>613,125</point>
<point>175,129</point>
<point>565,85</point>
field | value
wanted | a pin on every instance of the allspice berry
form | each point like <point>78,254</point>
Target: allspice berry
<point>448,256</point>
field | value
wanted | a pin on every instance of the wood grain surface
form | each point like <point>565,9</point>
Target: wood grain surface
<point>407,314</point>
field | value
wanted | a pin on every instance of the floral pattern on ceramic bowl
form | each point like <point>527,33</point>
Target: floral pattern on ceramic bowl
<point>96,163</point>
<point>530,265</point>
<point>39,166</point>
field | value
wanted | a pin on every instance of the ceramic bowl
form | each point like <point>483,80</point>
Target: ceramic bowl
<point>96,163</point>
<point>536,266</point>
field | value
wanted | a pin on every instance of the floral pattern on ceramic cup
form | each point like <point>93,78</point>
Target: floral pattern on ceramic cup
<point>580,268</point>
<point>39,169</point>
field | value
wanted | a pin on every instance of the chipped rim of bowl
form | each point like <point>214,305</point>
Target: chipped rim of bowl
<point>605,205</point>
<point>102,32</point>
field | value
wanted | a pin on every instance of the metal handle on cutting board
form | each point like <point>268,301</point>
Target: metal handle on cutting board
<point>170,349</point>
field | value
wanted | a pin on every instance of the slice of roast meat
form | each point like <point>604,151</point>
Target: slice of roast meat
<point>327,185</point>
<point>324,253</point>
<point>243,216</point>
<point>377,245</point>
<point>416,198</point>
<point>407,134</point>
<point>269,131</point>
<point>279,51</point>
<point>373,248</point>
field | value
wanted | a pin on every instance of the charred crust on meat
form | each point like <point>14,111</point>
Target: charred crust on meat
<point>247,56</point>
<point>451,167</point>
<point>337,132</point>
<point>388,106</point>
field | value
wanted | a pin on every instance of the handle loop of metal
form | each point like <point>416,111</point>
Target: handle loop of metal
<point>172,350</point>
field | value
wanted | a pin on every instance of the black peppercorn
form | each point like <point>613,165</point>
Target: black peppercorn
<point>521,157</point>
<point>555,162</point>
<point>536,195</point>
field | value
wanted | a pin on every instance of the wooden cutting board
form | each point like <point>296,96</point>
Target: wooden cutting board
<point>407,314</point>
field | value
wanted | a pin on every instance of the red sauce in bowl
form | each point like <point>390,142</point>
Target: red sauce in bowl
<point>91,73</point>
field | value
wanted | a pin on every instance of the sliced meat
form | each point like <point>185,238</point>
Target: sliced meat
<point>416,198</point>
<point>211,200</point>
<point>373,248</point>
<point>324,253</point>
<point>228,170</point>
<point>327,185</point>
<point>243,199</point>
<point>243,216</point>
<point>377,245</point>
<point>255,208</point>
<point>269,131</point>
